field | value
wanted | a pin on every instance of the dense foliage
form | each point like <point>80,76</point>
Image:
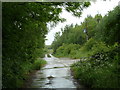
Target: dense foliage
<point>108,29</point>
<point>67,50</point>
<point>69,35</point>
<point>101,70</point>
<point>75,34</point>
<point>99,65</point>
<point>24,28</point>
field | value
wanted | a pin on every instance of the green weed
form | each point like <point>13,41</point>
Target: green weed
<point>38,64</point>
<point>99,71</point>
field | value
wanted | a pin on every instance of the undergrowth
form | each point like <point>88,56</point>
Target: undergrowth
<point>101,70</point>
<point>38,64</point>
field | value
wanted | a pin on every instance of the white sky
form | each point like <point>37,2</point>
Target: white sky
<point>101,7</point>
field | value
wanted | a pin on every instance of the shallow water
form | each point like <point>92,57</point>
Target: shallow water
<point>56,74</point>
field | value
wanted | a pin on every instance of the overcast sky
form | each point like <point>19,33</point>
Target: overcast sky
<point>101,7</point>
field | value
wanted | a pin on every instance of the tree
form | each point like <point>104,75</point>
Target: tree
<point>24,29</point>
<point>108,29</point>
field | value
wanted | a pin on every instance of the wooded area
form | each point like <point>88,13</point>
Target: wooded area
<point>97,43</point>
<point>24,27</point>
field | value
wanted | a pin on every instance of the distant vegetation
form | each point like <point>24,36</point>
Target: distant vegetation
<point>97,43</point>
<point>75,40</point>
<point>48,49</point>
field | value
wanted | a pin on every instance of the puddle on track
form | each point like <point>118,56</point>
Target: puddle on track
<point>56,74</point>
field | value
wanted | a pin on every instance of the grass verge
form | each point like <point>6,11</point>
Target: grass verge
<point>38,64</point>
<point>30,69</point>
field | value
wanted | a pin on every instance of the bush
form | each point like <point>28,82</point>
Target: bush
<point>101,70</point>
<point>89,44</point>
<point>76,51</point>
<point>108,28</point>
<point>67,50</point>
<point>38,64</point>
<point>90,48</point>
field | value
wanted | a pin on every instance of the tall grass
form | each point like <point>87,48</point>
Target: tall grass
<point>38,64</point>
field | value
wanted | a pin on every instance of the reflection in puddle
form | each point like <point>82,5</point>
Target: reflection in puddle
<point>54,75</point>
